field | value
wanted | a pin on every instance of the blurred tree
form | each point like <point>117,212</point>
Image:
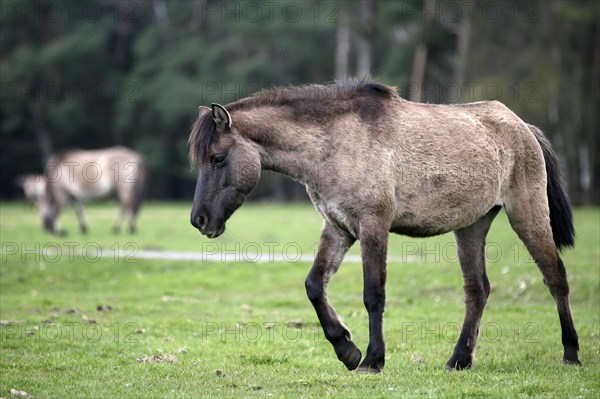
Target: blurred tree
<point>545,67</point>
<point>342,45</point>
<point>96,73</point>
<point>364,38</point>
<point>420,60</point>
<point>58,81</point>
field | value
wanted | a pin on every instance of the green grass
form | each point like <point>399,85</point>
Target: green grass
<point>228,323</point>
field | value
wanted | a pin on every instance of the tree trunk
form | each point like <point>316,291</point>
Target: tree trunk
<point>42,133</point>
<point>420,60</point>
<point>124,32</point>
<point>161,13</point>
<point>366,11</point>
<point>592,121</point>
<point>462,49</point>
<point>418,72</point>
<point>342,49</point>
<point>197,21</point>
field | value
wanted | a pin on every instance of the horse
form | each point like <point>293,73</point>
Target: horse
<point>33,186</point>
<point>373,164</point>
<point>76,176</point>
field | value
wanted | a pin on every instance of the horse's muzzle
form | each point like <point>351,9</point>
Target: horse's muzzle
<point>201,222</point>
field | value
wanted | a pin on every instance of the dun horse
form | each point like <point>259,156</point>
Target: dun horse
<point>374,163</point>
<point>77,176</point>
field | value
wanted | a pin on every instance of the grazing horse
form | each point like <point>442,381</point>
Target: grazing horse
<point>374,163</point>
<point>77,176</point>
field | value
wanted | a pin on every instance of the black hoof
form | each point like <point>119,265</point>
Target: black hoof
<point>116,230</point>
<point>459,362</point>
<point>371,365</point>
<point>571,362</point>
<point>370,369</point>
<point>349,354</point>
<point>84,229</point>
<point>570,357</point>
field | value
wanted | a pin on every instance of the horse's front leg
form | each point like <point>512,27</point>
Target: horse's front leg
<point>373,246</point>
<point>333,246</point>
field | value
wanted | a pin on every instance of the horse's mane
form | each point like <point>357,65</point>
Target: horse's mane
<point>314,94</point>
<point>201,137</point>
<point>321,100</point>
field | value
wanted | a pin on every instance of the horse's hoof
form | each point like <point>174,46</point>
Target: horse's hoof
<point>371,366</point>
<point>457,367</point>
<point>572,362</point>
<point>570,356</point>
<point>459,363</point>
<point>369,369</point>
<point>351,356</point>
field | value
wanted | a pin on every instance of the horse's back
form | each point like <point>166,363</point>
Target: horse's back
<point>455,164</point>
<point>433,168</point>
<point>91,174</point>
<point>110,157</point>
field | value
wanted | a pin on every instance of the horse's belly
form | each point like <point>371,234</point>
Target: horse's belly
<point>432,224</point>
<point>413,229</point>
<point>424,213</point>
<point>91,190</point>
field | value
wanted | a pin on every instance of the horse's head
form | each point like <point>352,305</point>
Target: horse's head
<point>228,169</point>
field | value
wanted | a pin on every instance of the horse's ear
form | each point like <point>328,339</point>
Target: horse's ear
<point>202,110</point>
<point>221,115</point>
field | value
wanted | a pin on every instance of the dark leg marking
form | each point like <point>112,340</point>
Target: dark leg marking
<point>541,246</point>
<point>373,245</point>
<point>333,246</point>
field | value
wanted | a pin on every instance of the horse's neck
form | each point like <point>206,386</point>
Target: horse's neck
<point>287,147</point>
<point>298,164</point>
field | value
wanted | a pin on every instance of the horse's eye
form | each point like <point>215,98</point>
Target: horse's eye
<point>219,161</point>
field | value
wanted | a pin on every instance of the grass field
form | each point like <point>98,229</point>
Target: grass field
<point>75,324</point>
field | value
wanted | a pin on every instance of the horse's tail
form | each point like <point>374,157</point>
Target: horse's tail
<point>140,186</point>
<point>561,217</point>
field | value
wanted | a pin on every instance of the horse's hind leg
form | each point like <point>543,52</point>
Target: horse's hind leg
<point>133,222</point>
<point>130,206</point>
<point>127,201</point>
<point>333,246</point>
<point>83,224</point>
<point>471,253</point>
<point>135,207</point>
<point>120,218</point>
<point>528,215</point>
